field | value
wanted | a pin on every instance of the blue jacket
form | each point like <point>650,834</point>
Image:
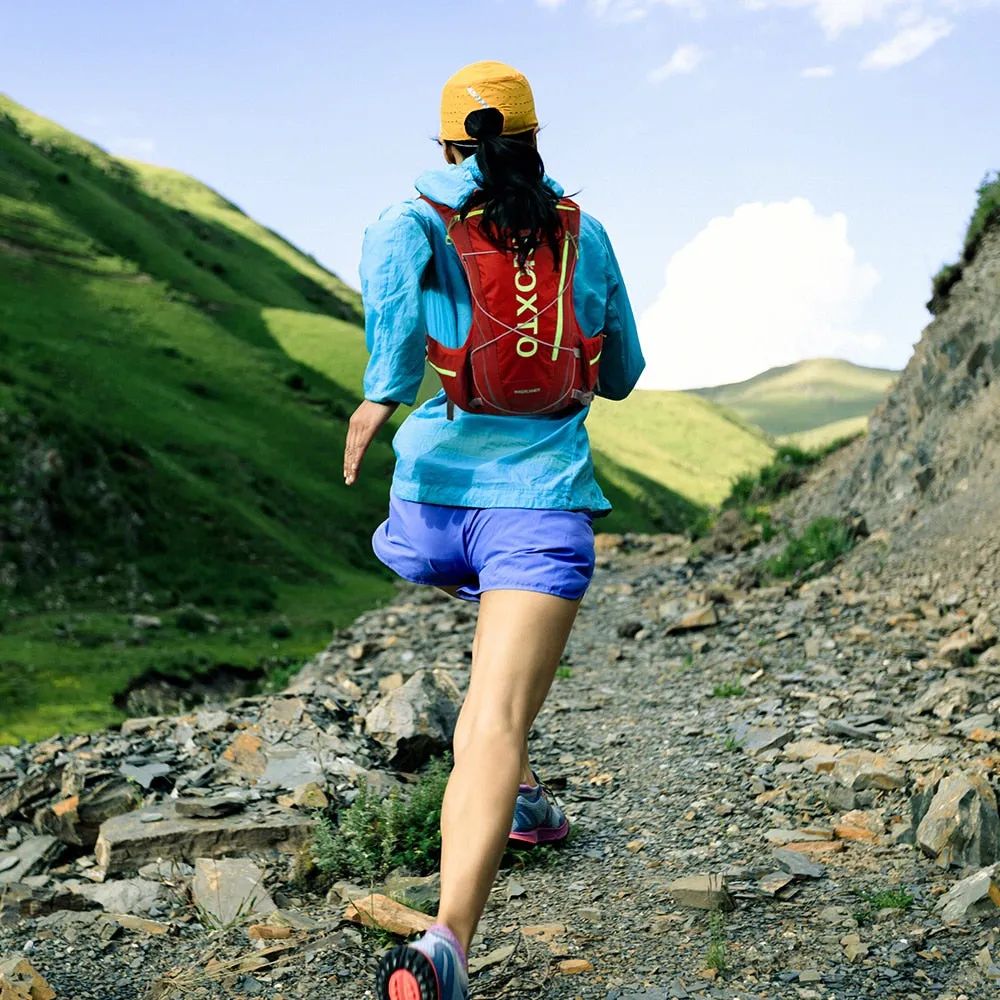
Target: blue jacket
<point>412,283</point>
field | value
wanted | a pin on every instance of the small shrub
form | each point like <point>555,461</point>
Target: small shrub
<point>987,213</point>
<point>564,673</point>
<point>824,540</point>
<point>731,744</point>
<point>774,481</point>
<point>374,836</point>
<point>280,630</point>
<point>716,957</point>
<point>727,689</point>
<point>886,899</point>
<point>192,620</point>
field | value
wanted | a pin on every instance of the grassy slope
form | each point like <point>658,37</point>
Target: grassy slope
<point>689,444</point>
<point>157,444</point>
<point>804,396</point>
<point>174,385</point>
<point>820,437</point>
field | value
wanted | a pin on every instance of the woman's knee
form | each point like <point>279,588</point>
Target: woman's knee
<point>500,732</point>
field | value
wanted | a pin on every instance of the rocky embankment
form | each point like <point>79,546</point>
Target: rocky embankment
<point>931,460</point>
<point>778,791</point>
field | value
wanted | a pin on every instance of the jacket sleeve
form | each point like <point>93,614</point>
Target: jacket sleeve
<point>621,361</point>
<point>394,255</point>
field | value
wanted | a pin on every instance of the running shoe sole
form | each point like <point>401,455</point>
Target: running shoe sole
<point>407,974</point>
<point>543,835</point>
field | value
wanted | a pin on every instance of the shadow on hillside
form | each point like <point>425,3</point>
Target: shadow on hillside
<point>641,502</point>
<point>213,267</point>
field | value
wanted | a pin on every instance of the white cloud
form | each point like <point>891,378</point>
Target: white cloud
<point>835,16</point>
<point>550,3</point>
<point>818,72</point>
<point>686,59</point>
<point>908,44</point>
<point>768,285</point>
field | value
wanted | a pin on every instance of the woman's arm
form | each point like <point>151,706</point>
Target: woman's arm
<point>621,360</point>
<point>395,253</point>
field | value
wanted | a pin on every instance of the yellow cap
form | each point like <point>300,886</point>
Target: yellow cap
<point>487,84</point>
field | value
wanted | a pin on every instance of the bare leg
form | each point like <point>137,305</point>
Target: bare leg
<point>520,638</point>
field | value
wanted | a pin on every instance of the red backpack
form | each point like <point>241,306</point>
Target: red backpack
<point>525,352</point>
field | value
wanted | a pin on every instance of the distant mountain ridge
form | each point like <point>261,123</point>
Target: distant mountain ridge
<point>806,397</point>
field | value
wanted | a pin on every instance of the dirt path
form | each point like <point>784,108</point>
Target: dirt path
<point>681,737</point>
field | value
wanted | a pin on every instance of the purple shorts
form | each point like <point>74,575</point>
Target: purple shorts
<point>479,549</point>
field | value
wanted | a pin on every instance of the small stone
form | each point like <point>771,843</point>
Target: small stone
<point>854,947</point>
<point>390,683</point>
<point>145,622</point>
<point>699,618</point>
<point>946,698</point>
<point>760,738</point>
<point>310,796</point>
<point>229,890</point>
<point>807,749</point>
<point>784,837</point>
<point>145,775</point>
<point>136,896</point>
<point>860,825</point>
<point>19,980</point>
<point>774,883</point>
<point>701,892</point>
<point>575,966</point>
<point>33,855</point>
<point>859,770</point>
<point>213,807</point>
<point>380,911</point>
<point>816,848</point>
<point>921,750</point>
<point>796,863</point>
<point>416,720</point>
<point>496,957</point>
<point>962,826</point>
<point>976,896</point>
<point>265,932</point>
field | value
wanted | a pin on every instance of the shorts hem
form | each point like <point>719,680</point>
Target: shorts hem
<point>535,590</point>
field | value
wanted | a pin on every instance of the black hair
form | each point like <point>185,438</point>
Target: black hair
<point>519,208</point>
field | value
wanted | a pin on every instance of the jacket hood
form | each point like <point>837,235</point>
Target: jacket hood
<point>452,184</point>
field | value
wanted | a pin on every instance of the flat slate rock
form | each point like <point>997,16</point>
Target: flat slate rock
<point>34,855</point>
<point>798,864</point>
<point>127,842</point>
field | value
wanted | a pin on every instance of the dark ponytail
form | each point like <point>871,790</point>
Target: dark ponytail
<point>519,208</point>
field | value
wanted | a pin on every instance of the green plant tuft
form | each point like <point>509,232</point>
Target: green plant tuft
<point>823,540</point>
<point>885,899</point>
<point>374,836</point>
<point>986,214</point>
<point>727,689</point>
<point>716,957</point>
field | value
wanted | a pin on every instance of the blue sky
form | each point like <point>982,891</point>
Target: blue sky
<point>780,178</point>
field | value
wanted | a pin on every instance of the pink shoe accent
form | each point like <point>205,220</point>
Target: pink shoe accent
<point>542,835</point>
<point>403,985</point>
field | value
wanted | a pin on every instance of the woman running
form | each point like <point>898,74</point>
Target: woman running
<point>514,297</point>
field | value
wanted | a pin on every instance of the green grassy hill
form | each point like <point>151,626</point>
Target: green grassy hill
<point>806,396</point>
<point>175,381</point>
<point>689,444</point>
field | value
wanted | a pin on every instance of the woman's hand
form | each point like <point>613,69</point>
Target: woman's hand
<point>366,421</point>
